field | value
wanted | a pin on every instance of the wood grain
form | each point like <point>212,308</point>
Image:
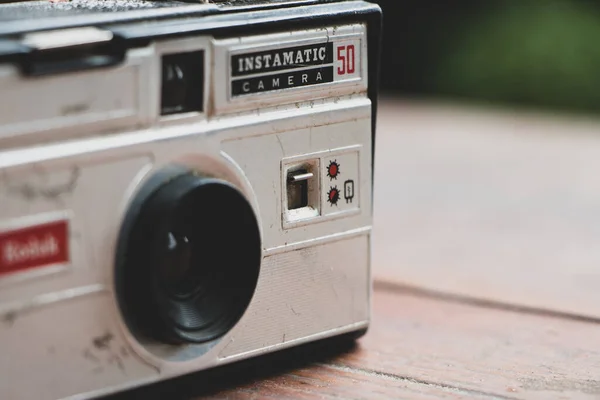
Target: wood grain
<point>313,371</point>
<point>420,348</point>
<point>335,382</point>
<point>494,205</point>
<point>502,353</point>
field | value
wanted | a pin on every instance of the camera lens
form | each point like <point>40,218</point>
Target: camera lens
<point>176,270</point>
<point>189,263</point>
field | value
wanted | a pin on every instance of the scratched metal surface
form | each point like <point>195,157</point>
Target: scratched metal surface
<point>47,9</point>
<point>25,10</point>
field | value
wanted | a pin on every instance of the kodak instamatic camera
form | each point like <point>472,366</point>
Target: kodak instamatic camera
<point>182,186</point>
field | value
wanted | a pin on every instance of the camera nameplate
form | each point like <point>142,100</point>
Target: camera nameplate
<point>260,71</point>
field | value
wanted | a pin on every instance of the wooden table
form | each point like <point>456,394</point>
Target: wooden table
<point>483,221</point>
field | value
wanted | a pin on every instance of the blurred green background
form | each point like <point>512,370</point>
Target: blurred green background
<point>526,53</point>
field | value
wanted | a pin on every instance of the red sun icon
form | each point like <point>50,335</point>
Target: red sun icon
<point>333,169</point>
<point>333,196</point>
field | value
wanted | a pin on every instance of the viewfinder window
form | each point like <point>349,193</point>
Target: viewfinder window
<point>182,83</point>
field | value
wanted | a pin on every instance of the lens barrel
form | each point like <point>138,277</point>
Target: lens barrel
<point>188,264</point>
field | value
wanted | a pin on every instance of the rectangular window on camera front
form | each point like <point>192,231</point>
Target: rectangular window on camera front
<point>301,197</point>
<point>182,83</point>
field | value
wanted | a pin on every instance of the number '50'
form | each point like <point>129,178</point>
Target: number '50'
<point>345,55</point>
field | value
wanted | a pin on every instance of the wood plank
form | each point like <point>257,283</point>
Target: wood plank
<point>313,371</point>
<point>501,206</point>
<point>333,382</point>
<point>420,348</point>
<point>503,353</point>
<point>293,374</point>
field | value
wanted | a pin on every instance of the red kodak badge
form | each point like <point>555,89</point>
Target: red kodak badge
<point>34,246</point>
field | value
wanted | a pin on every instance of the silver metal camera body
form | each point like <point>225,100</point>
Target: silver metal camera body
<point>204,199</point>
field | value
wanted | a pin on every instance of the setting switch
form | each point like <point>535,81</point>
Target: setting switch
<point>297,192</point>
<point>301,186</point>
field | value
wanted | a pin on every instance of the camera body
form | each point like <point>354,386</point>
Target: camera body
<point>182,187</point>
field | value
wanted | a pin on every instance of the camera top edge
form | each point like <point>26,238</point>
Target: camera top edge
<point>19,17</point>
<point>133,21</point>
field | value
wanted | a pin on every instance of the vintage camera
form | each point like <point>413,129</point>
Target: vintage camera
<point>182,186</point>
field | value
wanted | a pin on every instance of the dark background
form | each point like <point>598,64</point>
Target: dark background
<point>538,54</point>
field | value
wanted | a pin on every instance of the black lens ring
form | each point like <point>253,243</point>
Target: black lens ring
<point>225,255</point>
